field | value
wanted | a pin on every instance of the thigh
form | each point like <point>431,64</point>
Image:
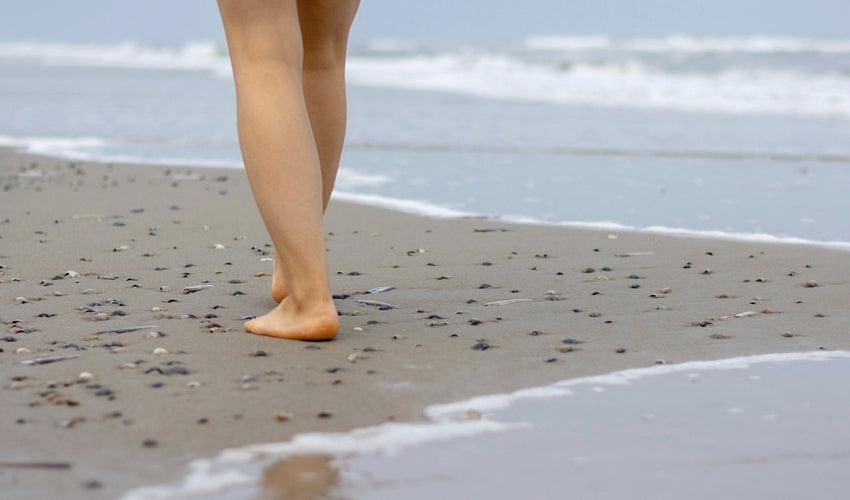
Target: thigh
<point>261,29</point>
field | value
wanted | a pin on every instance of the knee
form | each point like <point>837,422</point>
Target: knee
<point>324,56</point>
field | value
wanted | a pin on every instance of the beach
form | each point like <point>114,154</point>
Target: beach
<point>124,289</point>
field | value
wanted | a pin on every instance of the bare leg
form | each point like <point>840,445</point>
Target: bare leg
<point>325,25</point>
<point>281,160</point>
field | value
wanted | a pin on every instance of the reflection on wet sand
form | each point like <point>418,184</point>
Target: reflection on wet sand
<point>302,477</point>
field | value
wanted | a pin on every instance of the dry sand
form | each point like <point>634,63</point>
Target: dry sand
<point>562,303</point>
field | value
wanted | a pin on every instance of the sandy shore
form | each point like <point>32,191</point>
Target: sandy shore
<point>90,250</point>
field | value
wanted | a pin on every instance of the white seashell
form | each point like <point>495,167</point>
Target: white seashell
<point>72,274</point>
<point>218,246</point>
<point>85,376</point>
<point>193,384</point>
<point>22,300</point>
<point>160,350</point>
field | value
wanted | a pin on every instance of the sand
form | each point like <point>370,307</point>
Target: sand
<point>480,307</point>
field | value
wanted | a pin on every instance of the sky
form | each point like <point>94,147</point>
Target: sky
<point>435,21</point>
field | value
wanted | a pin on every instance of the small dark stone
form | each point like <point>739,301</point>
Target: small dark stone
<point>484,286</point>
<point>588,270</point>
<point>354,273</point>
<point>634,277</point>
<point>341,296</point>
<point>475,322</point>
<point>177,370</point>
<point>154,369</point>
<point>606,269</point>
<point>635,286</point>
<point>535,333</point>
<point>552,360</point>
<point>434,316</point>
<point>324,414</point>
<point>157,385</point>
<point>202,421</point>
<point>369,349</point>
<point>481,345</point>
<point>9,338</point>
<point>333,369</point>
<point>150,443</point>
<point>259,354</point>
<point>103,391</point>
<point>486,263</point>
<point>94,484</point>
<point>571,342</point>
<point>238,292</point>
<point>620,351</point>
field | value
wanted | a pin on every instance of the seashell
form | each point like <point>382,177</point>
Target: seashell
<point>160,350</point>
<point>85,376</point>
<point>218,246</point>
<point>72,274</point>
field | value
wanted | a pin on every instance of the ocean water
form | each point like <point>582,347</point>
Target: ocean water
<point>741,137</point>
<point>760,427</point>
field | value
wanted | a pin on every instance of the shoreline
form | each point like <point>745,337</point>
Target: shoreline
<point>137,235</point>
<point>426,209</point>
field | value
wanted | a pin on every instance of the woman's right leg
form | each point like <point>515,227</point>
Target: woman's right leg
<point>281,160</point>
<point>325,25</point>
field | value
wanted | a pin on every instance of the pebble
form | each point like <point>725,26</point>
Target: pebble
<point>811,284</point>
<point>160,350</point>
<point>22,350</point>
<point>154,335</point>
<point>72,274</point>
<point>282,416</point>
<point>177,370</point>
<point>194,384</point>
<point>85,377</point>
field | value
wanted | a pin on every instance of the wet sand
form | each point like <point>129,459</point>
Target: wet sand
<point>96,260</point>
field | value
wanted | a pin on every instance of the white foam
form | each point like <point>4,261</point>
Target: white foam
<point>78,148</point>
<point>630,80</point>
<point>691,44</point>
<point>408,206</point>
<point>208,476</point>
<point>492,402</point>
<point>621,84</point>
<point>206,56</point>
<point>673,231</point>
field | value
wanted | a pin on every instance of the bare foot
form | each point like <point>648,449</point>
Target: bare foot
<point>280,289</point>
<point>286,321</point>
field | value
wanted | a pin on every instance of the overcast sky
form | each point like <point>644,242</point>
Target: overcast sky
<point>477,21</point>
